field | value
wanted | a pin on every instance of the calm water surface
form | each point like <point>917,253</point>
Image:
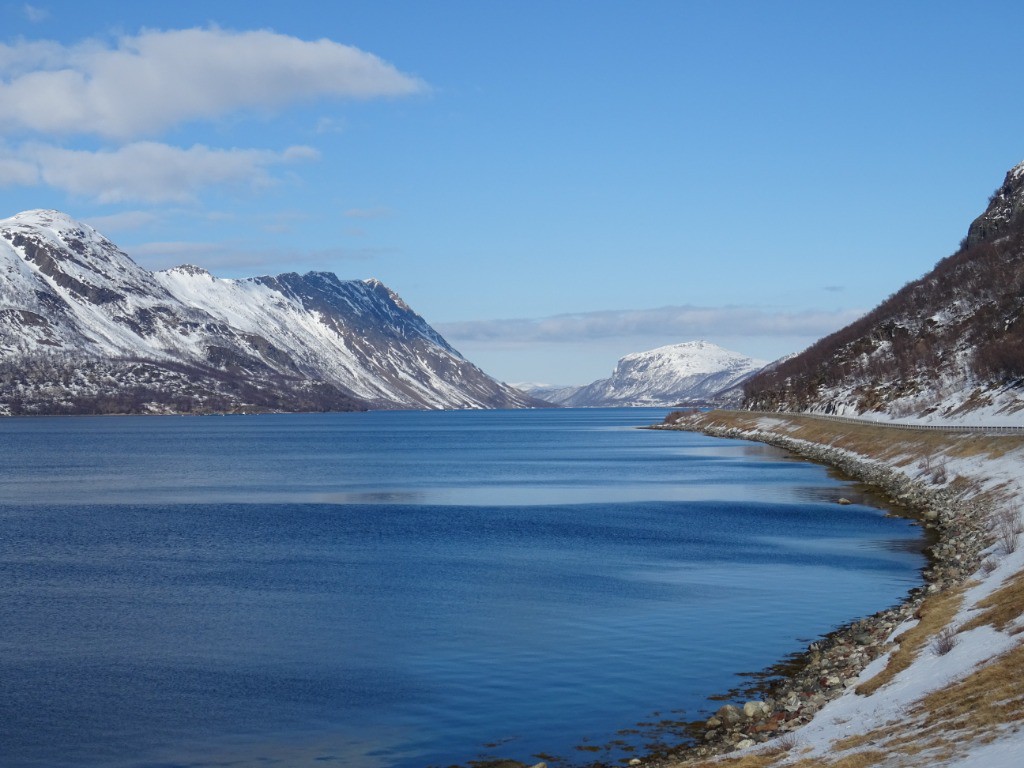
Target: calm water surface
<point>400,589</point>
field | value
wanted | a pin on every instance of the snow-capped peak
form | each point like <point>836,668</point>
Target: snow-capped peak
<point>53,225</point>
<point>690,357</point>
<point>44,217</point>
<point>189,270</point>
<point>688,371</point>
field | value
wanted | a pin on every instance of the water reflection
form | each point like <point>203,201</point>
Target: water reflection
<point>365,497</point>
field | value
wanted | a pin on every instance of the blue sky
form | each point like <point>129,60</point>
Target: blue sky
<point>552,185</point>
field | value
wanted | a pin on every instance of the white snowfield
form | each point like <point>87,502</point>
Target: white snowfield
<point>66,288</point>
<point>853,715</point>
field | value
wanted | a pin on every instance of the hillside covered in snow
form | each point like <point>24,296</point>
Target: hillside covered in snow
<point>694,371</point>
<point>84,329</point>
<point>948,347</point>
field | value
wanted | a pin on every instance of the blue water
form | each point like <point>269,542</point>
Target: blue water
<point>401,588</point>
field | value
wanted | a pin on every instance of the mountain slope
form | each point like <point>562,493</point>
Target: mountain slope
<point>946,347</point>
<point>85,329</point>
<point>691,371</point>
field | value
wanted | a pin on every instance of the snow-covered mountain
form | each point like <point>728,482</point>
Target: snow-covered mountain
<point>85,329</point>
<point>550,393</point>
<point>945,348</point>
<point>694,371</point>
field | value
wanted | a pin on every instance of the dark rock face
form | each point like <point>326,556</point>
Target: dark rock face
<point>48,260</point>
<point>85,329</point>
<point>1004,213</point>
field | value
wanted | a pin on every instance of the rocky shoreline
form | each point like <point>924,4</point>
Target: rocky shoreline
<point>831,665</point>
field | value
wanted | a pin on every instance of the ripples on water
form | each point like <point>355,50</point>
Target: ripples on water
<point>403,589</point>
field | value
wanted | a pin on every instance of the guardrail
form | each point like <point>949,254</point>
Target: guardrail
<point>976,430</point>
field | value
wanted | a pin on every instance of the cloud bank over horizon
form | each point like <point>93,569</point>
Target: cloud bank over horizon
<point>685,322</point>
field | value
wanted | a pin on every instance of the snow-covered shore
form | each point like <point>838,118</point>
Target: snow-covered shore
<point>949,688</point>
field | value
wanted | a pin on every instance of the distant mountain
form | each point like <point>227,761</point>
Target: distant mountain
<point>946,347</point>
<point>83,329</point>
<point>689,372</point>
<point>551,393</point>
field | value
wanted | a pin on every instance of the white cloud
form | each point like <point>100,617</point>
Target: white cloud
<point>367,213</point>
<point>122,221</point>
<point>244,259</point>
<point>300,153</point>
<point>15,171</point>
<point>330,125</point>
<point>684,322</point>
<point>35,14</point>
<point>155,80</point>
<point>144,171</point>
<point>176,248</point>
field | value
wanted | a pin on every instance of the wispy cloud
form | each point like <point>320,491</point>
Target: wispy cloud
<point>146,171</point>
<point>284,221</point>
<point>122,221</point>
<point>148,83</point>
<point>330,125</point>
<point>239,257</point>
<point>34,13</point>
<point>683,322</point>
<point>16,171</point>
<point>367,213</point>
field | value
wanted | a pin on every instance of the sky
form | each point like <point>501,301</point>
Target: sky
<point>551,185</point>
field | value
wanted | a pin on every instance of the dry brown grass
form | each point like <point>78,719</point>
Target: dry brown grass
<point>899,446</point>
<point>856,760</point>
<point>857,740</point>
<point>935,614</point>
<point>747,761</point>
<point>1001,607</point>
<point>865,759</point>
<point>987,698</point>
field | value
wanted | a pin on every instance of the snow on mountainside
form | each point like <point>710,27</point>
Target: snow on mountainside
<point>692,371</point>
<point>946,348</point>
<point>551,393</point>
<point>85,329</point>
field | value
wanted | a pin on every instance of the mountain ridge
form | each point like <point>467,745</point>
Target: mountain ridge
<point>76,308</point>
<point>945,348</point>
